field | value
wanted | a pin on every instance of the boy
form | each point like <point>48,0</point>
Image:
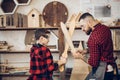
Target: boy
<point>41,59</point>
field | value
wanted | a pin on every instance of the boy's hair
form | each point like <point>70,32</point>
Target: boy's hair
<point>83,16</point>
<point>41,32</point>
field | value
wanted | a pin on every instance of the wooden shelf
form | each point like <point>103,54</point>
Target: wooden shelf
<point>116,50</point>
<point>111,27</point>
<point>51,28</point>
<point>22,52</point>
<point>115,27</point>
<point>56,73</point>
<point>6,75</point>
<point>9,52</point>
<point>26,28</point>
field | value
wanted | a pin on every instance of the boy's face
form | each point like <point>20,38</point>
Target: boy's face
<point>44,39</point>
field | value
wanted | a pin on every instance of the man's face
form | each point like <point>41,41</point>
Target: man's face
<point>84,24</point>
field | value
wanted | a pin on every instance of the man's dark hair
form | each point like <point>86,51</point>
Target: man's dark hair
<point>83,16</point>
<point>41,32</point>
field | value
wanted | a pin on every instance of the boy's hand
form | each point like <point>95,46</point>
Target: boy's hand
<point>62,61</point>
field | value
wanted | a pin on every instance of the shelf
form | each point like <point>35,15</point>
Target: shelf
<point>111,27</point>
<point>51,28</point>
<point>26,28</point>
<point>9,52</point>
<point>116,50</point>
<point>4,75</point>
<point>56,73</point>
<point>115,27</point>
<point>52,51</point>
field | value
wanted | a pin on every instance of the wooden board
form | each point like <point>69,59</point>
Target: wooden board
<point>71,31</point>
<point>80,70</point>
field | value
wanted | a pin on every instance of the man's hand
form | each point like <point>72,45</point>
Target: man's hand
<point>85,51</point>
<point>77,55</point>
<point>80,53</point>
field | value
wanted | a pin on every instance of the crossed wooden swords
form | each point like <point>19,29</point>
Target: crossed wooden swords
<point>81,67</point>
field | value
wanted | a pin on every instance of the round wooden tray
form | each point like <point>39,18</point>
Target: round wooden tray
<point>55,12</point>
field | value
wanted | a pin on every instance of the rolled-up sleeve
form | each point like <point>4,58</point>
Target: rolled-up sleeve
<point>94,54</point>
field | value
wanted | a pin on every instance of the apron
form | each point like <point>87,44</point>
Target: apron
<point>99,74</point>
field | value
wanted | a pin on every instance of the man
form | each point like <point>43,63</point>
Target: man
<point>100,47</point>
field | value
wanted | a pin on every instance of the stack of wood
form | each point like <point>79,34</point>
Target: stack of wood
<point>4,46</point>
<point>116,39</point>
<point>19,70</point>
<point>4,66</point>
<point>13,20</point>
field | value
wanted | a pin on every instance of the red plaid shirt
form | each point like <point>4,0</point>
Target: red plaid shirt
<point>100,46</point>
<point>41,63</point>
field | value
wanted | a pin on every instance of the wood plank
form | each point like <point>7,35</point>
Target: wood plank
<point>71,31</point>
<point>61,49</point>
<point>80,70</point>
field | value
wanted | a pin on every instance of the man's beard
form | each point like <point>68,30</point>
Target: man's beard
<point>89,31</point>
